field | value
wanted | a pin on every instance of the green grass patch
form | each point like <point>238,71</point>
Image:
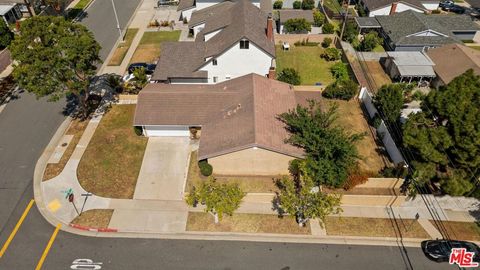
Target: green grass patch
<point>160,36</point>
<point>307,61</point>
<point>150,45</point>
<point>378,48</point>
<point>333,5</point>
<point>122,48</point>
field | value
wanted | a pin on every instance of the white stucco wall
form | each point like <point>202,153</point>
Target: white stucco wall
<point>201,4</point>
<point>211,34</point>
<point>197,29</point>
<point>188,13</point>
<point>380,11</point>
<point>402,7</point>
<point>236,62</point>
<point>431,6</point>
<point>386,10</point>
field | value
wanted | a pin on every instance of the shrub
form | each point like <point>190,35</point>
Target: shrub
<point>339,71</point>
<point>328,28</point>
<point>351,32</point>
<point>185,20</point>
<point>138,130</point>
<point>331,54</point>
<point>376,121</point>
<point>361,10</point>
<point>436,11</point>
<point>318,18</point>
<point>297,25</point>
<point>305,42</point>
<point>297,5</point>
<point>370,41</point>
<point>289,75</point>
<point>341,89</point>
<point>6,36</point>
<point>308,4</point>
<point>205,168</point>
<point>326,42</point>
<point>278,4</point>
<point>356,177</point>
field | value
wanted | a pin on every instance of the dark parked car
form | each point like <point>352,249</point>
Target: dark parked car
<point>439,250</point>
<point>446,5</point>
<point>457,9</point>
<point>149,68</point>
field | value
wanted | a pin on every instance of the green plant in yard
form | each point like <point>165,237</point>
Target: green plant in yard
<point>370,41</point>
<point>326,42</point>
<point>350,33</point>
<point>328,28</point>
<point>6,36</point>
<point>344,89</point>
<point>318,18</point>
<point>330,151</point>
<point>289,75</point>
<point>339,71</point>
<point>331,54</point>
<point>219,199</point>
<point>308,4</point>
<point>297,4</point>
<point>361,10</point>
<point>302,199</point>
<point>389,101</point>
<point>278,4</point>
<point>138,130</point>
<point>205,168</point>
<point>297,25</point>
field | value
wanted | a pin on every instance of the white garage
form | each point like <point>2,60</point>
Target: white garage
<point>166,131</point>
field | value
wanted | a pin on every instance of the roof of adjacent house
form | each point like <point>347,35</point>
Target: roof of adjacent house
<point>375,4</point>
<point>400,27</point>
<point>412,63</point>
<point>287,14</point>
<point>185,4</point>
<point>237,114</point>
<point>454,59</point>
<point>367,22</point>
<point>5,8</point>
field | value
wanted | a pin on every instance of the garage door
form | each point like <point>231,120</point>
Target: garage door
<point>167,131</point>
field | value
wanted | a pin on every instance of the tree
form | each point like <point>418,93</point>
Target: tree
<point>56,4</point>
<point>297,4</point>
<point>344,89</point>
<point>303,200</point>
<point>339,71</point>
<point>6,36</point>
<point>308,4</point>
<point>350,33</point>
<point>297,25</point>
<point>289,75</point>
<point>389,101</point>
<point>370,41</point>
<point>326,42</point>
<point>318,18</point>
<point>446,134</point>
<point>328,28</point>
<point>54,57</point>
<point>278,4</point>
<point>219,199</point>
<point>330,151</point>
<point>331,54</point>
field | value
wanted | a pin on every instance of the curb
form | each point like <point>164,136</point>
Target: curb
<point>83,11</point>
<point>92,229</point>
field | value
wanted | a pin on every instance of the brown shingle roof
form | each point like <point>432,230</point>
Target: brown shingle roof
<point>374,4</point>
<point>185,4</point>
<point>234,115</point>
<point>287,14</point>
<point>454,59</point>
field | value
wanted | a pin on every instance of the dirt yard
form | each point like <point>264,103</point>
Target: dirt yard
<point>95,218</point>
<point>377,74</point>
<point>150,45</point>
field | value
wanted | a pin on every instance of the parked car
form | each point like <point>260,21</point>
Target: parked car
<point>446,5</point>
<point>457,9</point>
<point>149,68</point>
<point>439,250</point>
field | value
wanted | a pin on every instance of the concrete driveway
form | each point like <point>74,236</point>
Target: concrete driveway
<point>164,169</point>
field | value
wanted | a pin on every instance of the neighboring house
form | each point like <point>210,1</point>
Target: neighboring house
<point>235,39</point>
<point>389,7</point>
<point>10,13</point>
<point>288,14</point>
<point>453,60</point>
<point>408,66</point>
<point>413,31</point>
<point>187,7</point>
<point>240,130</point>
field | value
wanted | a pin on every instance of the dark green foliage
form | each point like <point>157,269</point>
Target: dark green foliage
<point>341,89</point>
<point>328,28</point>
<point>318,18</point>
<point>370,41</point>
<point>305,42</point>
<point>205,168</point>
<point>278,4</point>
<point>331,54</point>
<point>339,71</point>
<point>308,4</point>
<point>6,36</point>
<point>138,130</point>
<point>330,151</point>
<point>297,25</point>
<point>289,75</point>
<point>389,101</point>
<point>361,10</point>
<point>297,5</point>
<point>350,33</point>
<point>326,42</point>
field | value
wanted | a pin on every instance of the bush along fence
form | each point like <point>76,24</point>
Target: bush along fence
<point>382,131</point>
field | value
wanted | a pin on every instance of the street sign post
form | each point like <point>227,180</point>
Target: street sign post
<point>86,195</point>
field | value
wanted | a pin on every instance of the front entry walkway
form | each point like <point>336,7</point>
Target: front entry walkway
<point>164,169</point>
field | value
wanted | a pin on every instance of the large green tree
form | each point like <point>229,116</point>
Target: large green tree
<point>446,135</point>
<point>330,150</point>
<point>6,36</point>
<point>297,25</point>
<point>370,41</point>
<point>389,101</point>
<point>289,75</point>
<point>54,57</point>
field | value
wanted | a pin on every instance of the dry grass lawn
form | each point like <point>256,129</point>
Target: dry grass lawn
<point>461,230</point>
<point>350,116</point>
<point>245,223</point>
<point>122,48</point>
<point>377,74</point>
<point>95,218</point>
<point>259,184</point>
<point>374,227</point>
<point>76,129</point>
<point>112,160</point>
<point>150,45</point>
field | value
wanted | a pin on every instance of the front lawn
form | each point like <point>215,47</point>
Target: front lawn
<point>245,223</point>
<point>111,163</point>
<point>307,61</point>
<point>123,47</point>
<point>150,45</point>
<point>461,230</point>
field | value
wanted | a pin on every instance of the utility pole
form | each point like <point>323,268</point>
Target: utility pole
<point>116,18</point>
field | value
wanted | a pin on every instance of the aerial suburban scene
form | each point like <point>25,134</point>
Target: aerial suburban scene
<point>239,134</point>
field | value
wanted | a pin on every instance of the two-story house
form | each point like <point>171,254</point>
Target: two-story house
<point>187,7</point>
<point>235,39</point>
<point>389,7</point>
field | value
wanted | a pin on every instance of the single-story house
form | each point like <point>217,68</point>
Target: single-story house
<point>389,7</point>
<point>288,14</point>
<point>240,131</point>
<point>408,66</point>
<point>413,31</point>
<point>453,60</point>
<point>10,13</point>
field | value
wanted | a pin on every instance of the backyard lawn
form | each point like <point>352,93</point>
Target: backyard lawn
<point>246,223</point>
<point>111,163</point>
<point>149,48</point>
<point>307,61</point>
<point>377,74</point>
<point>122,48</point>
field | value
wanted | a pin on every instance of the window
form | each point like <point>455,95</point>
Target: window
<point>214,62</point>
<point>228,77</point>
<point>215,79</point>
<point>244,44</point>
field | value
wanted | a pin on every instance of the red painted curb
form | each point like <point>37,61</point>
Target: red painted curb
<point>85,228</point>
